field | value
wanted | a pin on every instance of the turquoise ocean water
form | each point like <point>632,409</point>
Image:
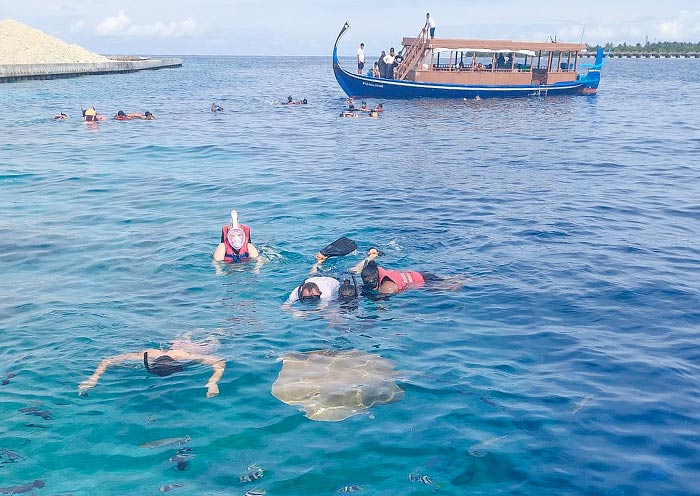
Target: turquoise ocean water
<point>568,365</point>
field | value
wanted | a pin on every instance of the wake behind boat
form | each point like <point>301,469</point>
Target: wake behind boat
<point>464,68</point>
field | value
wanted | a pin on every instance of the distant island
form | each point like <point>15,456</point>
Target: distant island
<point>656,49</point>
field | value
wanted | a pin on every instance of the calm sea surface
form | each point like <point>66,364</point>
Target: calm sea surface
<point>569,365</point>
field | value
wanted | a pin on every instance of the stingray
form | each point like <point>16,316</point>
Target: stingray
<point>334,385</point>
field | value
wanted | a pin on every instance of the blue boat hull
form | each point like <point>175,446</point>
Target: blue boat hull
<point>359,86</point>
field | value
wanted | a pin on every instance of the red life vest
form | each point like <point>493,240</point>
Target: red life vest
<point>232,255</point>
<point>402,279</point>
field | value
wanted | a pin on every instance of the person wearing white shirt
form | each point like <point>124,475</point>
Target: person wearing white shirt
<point>390,63</point>
<point>431,24</point>
<point>361,58</point>
<point>318,288</point>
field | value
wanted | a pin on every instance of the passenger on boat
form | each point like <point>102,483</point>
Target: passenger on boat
<point>375,70</point>
<point>430,23</point>
<point>382,65</point>
<point>216,108</point>
<point>509,62</point>
<point>361,58</point>
<point>500,61</point>
<point>235,245</point>
<point>60,116</point>
<point>389,61</point>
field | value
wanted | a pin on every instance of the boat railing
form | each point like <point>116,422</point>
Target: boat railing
<point>413,53</point>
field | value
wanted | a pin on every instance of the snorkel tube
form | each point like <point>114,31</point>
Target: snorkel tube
<point>236,236</point>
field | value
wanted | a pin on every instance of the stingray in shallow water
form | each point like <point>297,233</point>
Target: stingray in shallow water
<point>334,385</point>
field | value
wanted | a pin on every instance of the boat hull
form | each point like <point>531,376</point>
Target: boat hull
<point>359,86</point>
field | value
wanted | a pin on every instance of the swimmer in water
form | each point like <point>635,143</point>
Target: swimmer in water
<point>216,108</point>
<point>235,245</point>
<point>161,363</point>
<point>60,116</point>
<point>91,115</point>
<point>383,282</point>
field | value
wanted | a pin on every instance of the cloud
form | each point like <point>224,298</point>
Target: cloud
<point>685,27</point>
<point>122,24</point>
<point>113,25</point>
<point>77,26</point>
<point>172,29</point>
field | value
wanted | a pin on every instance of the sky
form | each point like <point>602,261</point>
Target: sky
<point>309,27</point>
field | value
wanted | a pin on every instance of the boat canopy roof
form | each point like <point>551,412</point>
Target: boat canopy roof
<point>491,46</point>
<point>485,50</point>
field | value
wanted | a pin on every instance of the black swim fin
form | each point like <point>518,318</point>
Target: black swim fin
<point>339,247</point>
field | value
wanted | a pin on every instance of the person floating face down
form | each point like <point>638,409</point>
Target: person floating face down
<point>321,290</point>
<point>235,245</point>
<point>376,279</point>
<point>160,363</point>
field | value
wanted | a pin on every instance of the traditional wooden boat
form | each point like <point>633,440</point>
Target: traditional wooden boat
<point>457,68</point>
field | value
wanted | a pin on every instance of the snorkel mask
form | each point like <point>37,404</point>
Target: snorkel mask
<point>370,277</point>
<point>308,298</point>
<point>347,291</point>
<point>235,235</point>
<point>162,366</point>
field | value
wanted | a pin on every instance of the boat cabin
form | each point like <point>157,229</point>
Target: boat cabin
<point>487,62</point>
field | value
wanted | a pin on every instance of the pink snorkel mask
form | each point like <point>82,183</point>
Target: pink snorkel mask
<point>235,235</point>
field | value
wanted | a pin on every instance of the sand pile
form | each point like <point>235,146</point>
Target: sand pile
<point>21,44</point>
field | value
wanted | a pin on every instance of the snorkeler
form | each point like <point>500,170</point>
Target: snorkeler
<point>216,108</point>
<point>60,117</point>
<point>377,280</point>
<point>162,364</point>
<point>91,115</point>
<point>323,289</point>
<point>235,245</point>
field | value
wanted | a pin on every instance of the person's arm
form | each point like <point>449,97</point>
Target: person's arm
<point>217,364</point>
<point>253,251</point>
<point>320,258</point>
<point>91,381</point>
<point>220,253</point>
<point>293,296</point>
<point>372,253</point>
<point>388,287</point>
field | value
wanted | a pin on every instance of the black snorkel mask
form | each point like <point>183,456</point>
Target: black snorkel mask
<point>348,289</point>
<point>370,278</point>
<point>162,366</point>
<point>307,298</point>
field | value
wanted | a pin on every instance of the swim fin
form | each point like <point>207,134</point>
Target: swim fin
<point>339,247</point>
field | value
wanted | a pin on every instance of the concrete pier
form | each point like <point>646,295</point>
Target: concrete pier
<point>646,55</point>
<point>18,72</point>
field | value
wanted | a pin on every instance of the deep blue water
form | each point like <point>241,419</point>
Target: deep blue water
<point>573,353</point>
